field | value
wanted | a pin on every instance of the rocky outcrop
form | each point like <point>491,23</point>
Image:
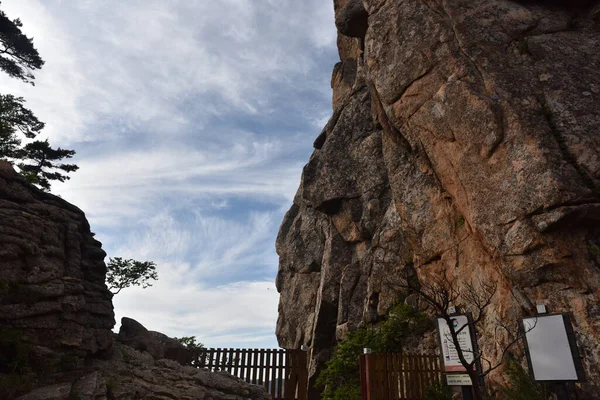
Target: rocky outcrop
<point>51,271</point>
<point>465,138</point>
<point>130,374</point>
<point>158,345</point>
<point>56,316</point>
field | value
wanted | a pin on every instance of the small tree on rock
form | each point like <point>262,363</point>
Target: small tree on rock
<point>123,273</point>
<point>41,163</point>
<point>196,348</point>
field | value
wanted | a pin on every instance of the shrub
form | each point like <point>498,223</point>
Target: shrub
<point>13,385</point>
<point>196,348</point>
<point>14,352</point>
<point>341,376</point>
<point>521,385</point>
<point>68,362</point>
<point>111,387</point>
<point>439,391</point>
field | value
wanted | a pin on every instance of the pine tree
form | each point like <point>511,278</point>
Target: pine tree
<point>39,162</point>
<point>15,118</point>
<point>18,57</point>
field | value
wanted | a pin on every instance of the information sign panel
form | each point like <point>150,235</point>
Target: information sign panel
<point>550,353</point>
<point>458,380</point>
<point>449,354</point>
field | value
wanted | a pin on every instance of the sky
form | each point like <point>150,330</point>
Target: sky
<point>192,120</point>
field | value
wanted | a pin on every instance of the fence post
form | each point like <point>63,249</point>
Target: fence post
<point>303,373</point>
<point>366,374</point>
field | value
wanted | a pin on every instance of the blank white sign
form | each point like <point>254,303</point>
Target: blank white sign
<point>549,349</point>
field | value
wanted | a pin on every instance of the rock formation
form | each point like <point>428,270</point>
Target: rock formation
<point>130,374</point>
<point>56,316</point>
<point>51,271</point>
<point>465,137</point>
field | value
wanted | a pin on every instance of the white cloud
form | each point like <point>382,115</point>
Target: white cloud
<point>241,313</point>
<point>192,120</point>
<point>192,251</point>
<point>135,63</point>
<point>212,246</point>
<point>128,185</point>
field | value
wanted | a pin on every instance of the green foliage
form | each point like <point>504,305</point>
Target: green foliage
<point>15,117</point>
<point>18,57</point>
<point>439,391</point>
<point>74,396</point>
<point>125,273</point>
<point>341,377</point>
<point>41,165</point>
<point>594,249</point>
<point>38,162</point>
<point>111,386</point>
<point>343,370</point>
<point>197,349</point>
<point>345,391</point>
<point>15,369</point>
<point>521,385</point>
<point>14,352</point>
<point>68,362</point>
<point>190,342</point>
<point>402,321</point>
<point>13,385</point>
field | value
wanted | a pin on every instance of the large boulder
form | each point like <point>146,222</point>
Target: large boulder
<point>158,345</point>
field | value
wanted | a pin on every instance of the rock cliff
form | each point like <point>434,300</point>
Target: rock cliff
<point>56,316</point>
<point>465,137</point>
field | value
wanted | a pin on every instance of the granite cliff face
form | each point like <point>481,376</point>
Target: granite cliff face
<point>465,137</point>
<point>56,316</point>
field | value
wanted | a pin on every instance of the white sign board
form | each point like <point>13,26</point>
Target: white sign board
<point>449,353</point>
<point>458,380</point>
<point>549,349</point>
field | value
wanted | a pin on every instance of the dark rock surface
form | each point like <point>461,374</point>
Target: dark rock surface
<point>129,374</point>
<point>465,137</point>
<point>158,345</point>
<point>51,271</point>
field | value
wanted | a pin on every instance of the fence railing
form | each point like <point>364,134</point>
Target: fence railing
<point>283,373</point>
<point>390,376</point>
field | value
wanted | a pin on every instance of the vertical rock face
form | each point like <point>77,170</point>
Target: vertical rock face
<point>465,137</point>
<point>51,271</point>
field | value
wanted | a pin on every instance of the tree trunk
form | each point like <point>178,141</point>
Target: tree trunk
<point>477,392</point>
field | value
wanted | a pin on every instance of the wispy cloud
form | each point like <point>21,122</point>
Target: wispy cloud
<point>238,314</point>
<point>192,120</point>
<point>118,67</point>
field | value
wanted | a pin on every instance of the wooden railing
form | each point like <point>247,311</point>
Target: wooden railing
<point>389,376</point>
<point>283,373</point>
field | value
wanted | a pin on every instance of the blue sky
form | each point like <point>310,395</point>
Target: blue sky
<point>192,121</point>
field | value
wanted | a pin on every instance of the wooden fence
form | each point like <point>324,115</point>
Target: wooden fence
<point>389,376</point>
<point>283,373</point>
